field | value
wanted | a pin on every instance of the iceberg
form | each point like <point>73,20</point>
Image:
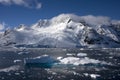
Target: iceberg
<point>43,61</point>
<point>80,61</point>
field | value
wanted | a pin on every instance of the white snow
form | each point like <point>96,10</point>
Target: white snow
<point>17,73</point>
<point>70,60</point>
<point>94,76</point>
<point>63,60</point>
<point>65,30</point>
<point>11,68</point>
<point>78,61</point>
<point>59,58</point>
<point>17,61</point>
<point>81,54</point>
<point>20,53</point>
<point>23,53</point>
<point>86,74</point>
<point>70,54</point>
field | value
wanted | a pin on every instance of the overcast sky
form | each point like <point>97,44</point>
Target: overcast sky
<point>15,12</point>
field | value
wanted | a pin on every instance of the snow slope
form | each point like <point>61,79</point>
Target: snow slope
<point>66,30</point>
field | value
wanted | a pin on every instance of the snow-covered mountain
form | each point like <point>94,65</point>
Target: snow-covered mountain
<point>65,30</point>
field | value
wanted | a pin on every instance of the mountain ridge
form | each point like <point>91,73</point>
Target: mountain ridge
<point>66,31</point>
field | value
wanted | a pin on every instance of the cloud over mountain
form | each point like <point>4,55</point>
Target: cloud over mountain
<point>66,30</point>
<point>2,26</point>
<point>26,3</point>
<point>96,20</point>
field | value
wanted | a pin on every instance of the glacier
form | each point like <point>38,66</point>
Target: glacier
<point>65,31</point>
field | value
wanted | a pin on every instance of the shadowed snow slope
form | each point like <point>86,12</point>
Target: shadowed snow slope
<point>66,30</point>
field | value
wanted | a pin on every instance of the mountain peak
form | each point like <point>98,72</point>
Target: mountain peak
<point>65,17</point>
<point>67,30</point>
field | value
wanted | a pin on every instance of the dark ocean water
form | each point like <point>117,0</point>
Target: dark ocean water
<point>12,65</point>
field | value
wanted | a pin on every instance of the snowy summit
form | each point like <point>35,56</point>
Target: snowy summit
<point>65,31</point>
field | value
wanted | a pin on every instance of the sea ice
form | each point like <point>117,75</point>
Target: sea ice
<point>78,61</point>
<point>11,68</point>
<point>81,54</point>
<point>94,76</point>
<point>41,59</point>
<point>17,61</point>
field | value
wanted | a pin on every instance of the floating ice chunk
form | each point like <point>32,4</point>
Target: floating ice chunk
<point>81,54</point>
<point>110,57</point>
<point>87,60</point>
<point>17,61</point>
<point>20,53</point>
<point>86,74</point>
<point>94,76</point>
<point>12,68</point>
<point>22,71</point>
<point>17,73</point>
<point>70,54</point>
<point>70,60</point>
<point>41,59</point>
<point>78,61</point>
<point>59,58</point>
<point>23,53</point>
<point>2,78</point>
<point>64,49</point>
<point>82,49</point>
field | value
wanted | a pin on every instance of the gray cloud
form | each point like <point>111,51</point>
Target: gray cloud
<point>39,5</point>
<point>2,26</point>
<point>26,3</point>
<point>96,20</point>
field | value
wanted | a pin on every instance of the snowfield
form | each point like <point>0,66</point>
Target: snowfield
<point>65,31</point>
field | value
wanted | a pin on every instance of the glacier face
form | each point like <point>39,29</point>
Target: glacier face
<point>65,31</point>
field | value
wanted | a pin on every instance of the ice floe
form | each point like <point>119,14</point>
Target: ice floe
<point>80,61</point>
<point>94,76</point>
<point>48,60</point>
<point>59,58</point>
<point>23,53</point>
<point>11,68</point>
<point>70,54</point>
<point>17,61</point>
<point>81,54</point>
<point>41,59</point>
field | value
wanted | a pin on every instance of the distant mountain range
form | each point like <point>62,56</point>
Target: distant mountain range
<point>65,31</point>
